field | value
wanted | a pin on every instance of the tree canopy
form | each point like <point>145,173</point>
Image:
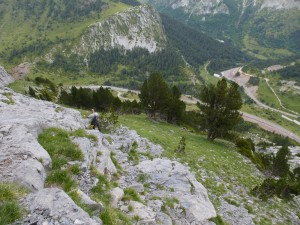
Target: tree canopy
<point>157,97</point>
<point>219,107</point>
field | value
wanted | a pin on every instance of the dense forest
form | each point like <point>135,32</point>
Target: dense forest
<point>166,61</point>
<point>290,72</point>
<point>198,48</point>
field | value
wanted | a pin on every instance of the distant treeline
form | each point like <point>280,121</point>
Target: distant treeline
<point>167,62</point>
<point>198,48</point>
<point>290,71</point>
<point>100,99</point>
<point>131,2</point>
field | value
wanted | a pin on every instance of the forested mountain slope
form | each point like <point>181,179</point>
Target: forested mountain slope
<point>267,29</point>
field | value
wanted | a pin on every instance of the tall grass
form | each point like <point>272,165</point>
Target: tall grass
<point>10,210</point>
<point>59,146</point>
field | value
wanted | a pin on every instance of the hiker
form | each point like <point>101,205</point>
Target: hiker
<point>94,123</point>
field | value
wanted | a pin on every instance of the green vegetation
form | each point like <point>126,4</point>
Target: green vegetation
<point>59,146</point>
<point>101,192</point>
<point>133,154</point>
<point>170,202</point>
<point>220,156</point>
<point>220,109</point>
<point>61,178</point>
<point>198,48</point>
<point>267,96</point>
<point>131,194</point>
<point>263,52</point>
<point>139,61</point>
<point>62,150</point>
<point>83,133</point>
<point>218,220</point>
<point>114,160</point>
<point>272,116</point>
<point>10,210</point>
<point>101,100</point>
<point>157,97</point>
<point>9,100</point>
<point>288,183</point>
<point>217,165</point>
<point>31,29</point>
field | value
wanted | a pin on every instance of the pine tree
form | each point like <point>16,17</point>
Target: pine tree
<point>219,108</point>
<point>280,163</point>
<point>155,95</point>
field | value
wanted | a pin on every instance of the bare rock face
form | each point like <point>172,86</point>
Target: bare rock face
<point>22,158</point>
<point>165,179</point>
<point>201,7</point>
<point>281,4</point>
<point>52,204</point>
<point>136,27</point>
<point>5,78</point>
<point>181,184</point>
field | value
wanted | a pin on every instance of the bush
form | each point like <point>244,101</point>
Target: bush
<point>283,188</point>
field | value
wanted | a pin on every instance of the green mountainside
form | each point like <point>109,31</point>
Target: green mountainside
<point>109,42</point>
<point>264,29</point>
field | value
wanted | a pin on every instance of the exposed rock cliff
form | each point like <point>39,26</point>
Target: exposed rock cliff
<point>5,78</point>
<point>136,27</point>
<point>201,7</point>
<point>280,4</point>
<point>22,159</point>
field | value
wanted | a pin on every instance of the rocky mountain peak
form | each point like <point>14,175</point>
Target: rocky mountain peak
<point>280,4</point>
<point>201,7</point>
<point>139,26</point>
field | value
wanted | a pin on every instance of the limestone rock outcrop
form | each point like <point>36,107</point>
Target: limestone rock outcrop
<point>22,158</point>
<point>25,161</point>
<point>136,27</point>
<point>5,78</point>
<point>57,206</point>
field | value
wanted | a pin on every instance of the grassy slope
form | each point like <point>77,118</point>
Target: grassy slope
<point>17,33</point>
<point>266,95</point>
<point>225,173</point>
<point>263,52</point>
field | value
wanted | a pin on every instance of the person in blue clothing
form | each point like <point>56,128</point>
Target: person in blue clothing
<point>94,122</point>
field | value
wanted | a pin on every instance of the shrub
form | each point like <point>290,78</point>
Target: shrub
<point>283,188</point>
<point>181,146</point>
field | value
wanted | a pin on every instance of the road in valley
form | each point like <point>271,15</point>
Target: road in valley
<point>242,80</point>
<point>269,126</point>
<point>265,124</point>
